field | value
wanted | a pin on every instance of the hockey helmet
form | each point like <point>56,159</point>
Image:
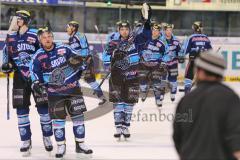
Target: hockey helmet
<point>25,15</point>
<point>197,26</point>
<point>74,24</point>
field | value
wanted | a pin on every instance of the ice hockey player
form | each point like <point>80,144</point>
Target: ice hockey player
<point>174,53</point>
<point>123,83</point>
<point>19,48</point>
<point>57,67</point>
<point>194,45</point>
<point>79,43</point>
<point>152,65</point>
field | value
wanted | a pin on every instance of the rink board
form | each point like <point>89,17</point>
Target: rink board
<point>229,48</point>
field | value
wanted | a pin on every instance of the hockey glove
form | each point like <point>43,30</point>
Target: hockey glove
<point>146,11</point>
<point>38,88</point>
<point>7,68</point>
<point>181,59</point>
<point>163,67</point>
<point>76,62</point>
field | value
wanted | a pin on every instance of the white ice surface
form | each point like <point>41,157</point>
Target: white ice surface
<point>151,140</point>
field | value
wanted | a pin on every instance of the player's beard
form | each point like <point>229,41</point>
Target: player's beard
<point>48,46</point>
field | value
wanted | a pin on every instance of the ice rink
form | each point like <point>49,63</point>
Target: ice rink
<point>151,133</point>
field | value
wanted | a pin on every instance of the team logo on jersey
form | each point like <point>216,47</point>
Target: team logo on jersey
<point>24,58</point>
<point>31,40</point>
<point>61,51</point>
<point>57,77</point>
<point>122,64</point>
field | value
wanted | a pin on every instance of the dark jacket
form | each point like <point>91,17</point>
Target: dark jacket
<point>207,123</point>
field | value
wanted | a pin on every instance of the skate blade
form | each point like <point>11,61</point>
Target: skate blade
<point>26,154</point>
<point>62,158</point>
<point>118,139</point>
<point>49,154</point>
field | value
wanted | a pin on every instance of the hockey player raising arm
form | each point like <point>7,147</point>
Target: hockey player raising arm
<point>123,83</point>
<point>57,67</point>
<point>18,51</point>
<point>152,65</point>
<point>194,45</point>
<point>79,43</point>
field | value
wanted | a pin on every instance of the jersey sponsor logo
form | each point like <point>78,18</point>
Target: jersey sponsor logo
<point>130,73</point>
<point>42,57</point>
<point>31,40</point>
<point>77,101</point>
<point>158,44</point>
<point>58,61</point>
<point>61,51</point>
<point>64,88</point>
<point>153,48</point>
<point>171,48</point>
<point>205,39</point>
<point>11,39</point>
<point>75,45</point>
<point>200,43</point>
<point>175,43</point>
<point>24,47</point>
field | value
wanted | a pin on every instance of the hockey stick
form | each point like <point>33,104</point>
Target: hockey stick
<point>99,37</point>
<point>102,81</point>
<point>12,27</point>
<point>100,84</point>
<point>8,95</point>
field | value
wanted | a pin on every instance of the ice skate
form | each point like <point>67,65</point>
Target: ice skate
<point>26,148</point>
<point>125,132</point>
<point>172,96</point>
<point>159,102</point>
<point>47,144</point>
<point>103,100</point>
<point>81,147</point>
<point>61,150</point>
<point>118,133</point>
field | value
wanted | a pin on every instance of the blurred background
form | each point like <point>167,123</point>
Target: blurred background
<point>221,19</point>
